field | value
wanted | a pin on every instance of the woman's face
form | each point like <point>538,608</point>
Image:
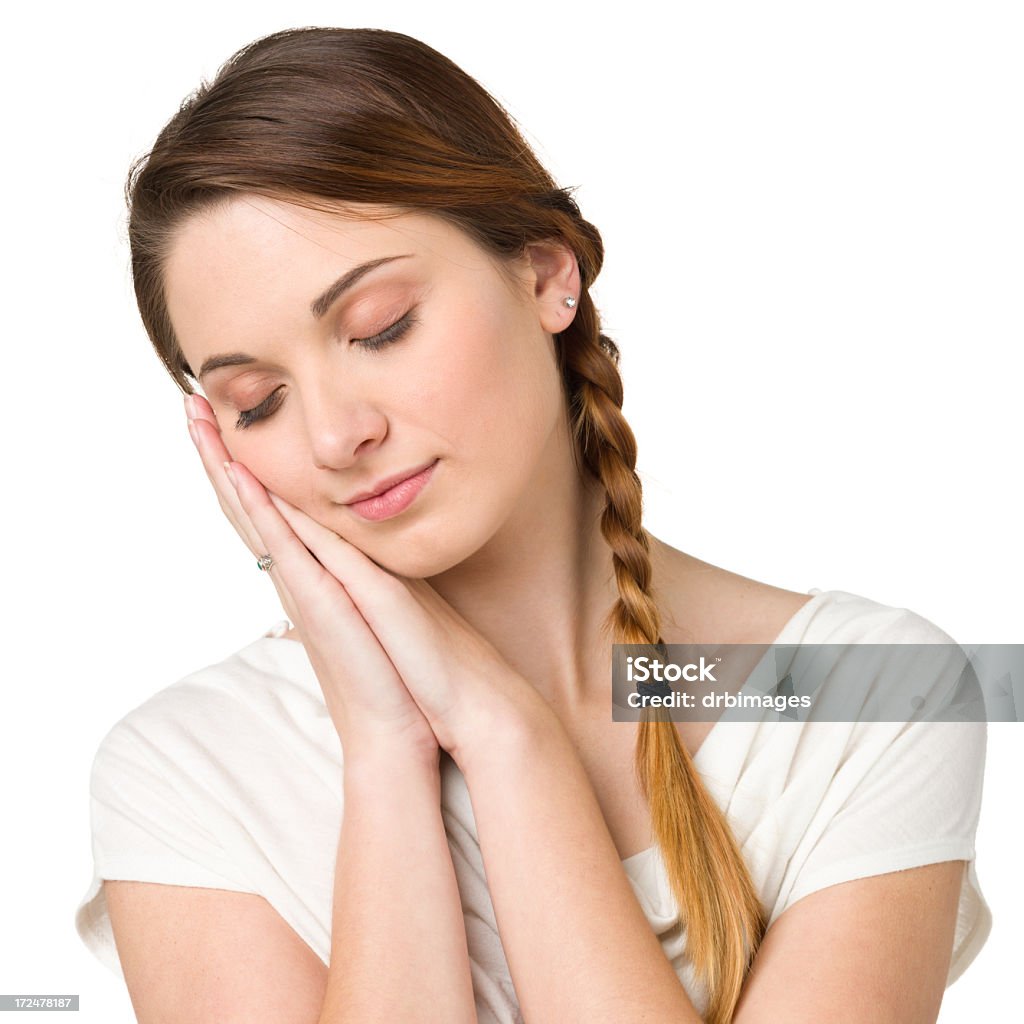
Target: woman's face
<point>364,350</point>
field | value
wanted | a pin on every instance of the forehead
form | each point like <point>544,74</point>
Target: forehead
<point>252,260</point>
<point>255,235</point>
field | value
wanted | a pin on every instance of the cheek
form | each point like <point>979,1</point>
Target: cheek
<point>522,403</point>
<point>278,465</point>
<point>487,386</point>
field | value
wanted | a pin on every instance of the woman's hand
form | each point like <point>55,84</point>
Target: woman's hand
<point>392,656</point>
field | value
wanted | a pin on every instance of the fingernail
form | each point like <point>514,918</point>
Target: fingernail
<point>231,475</point>
<point>190,407</point>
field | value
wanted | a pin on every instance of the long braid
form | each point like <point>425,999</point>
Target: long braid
<point>719,905</point>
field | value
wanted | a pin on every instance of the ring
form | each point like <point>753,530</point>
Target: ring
<point>264,562</point>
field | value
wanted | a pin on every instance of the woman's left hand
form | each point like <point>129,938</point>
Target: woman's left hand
<point>460,682</point>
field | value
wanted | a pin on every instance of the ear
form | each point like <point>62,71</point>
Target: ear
<point>556,277</point>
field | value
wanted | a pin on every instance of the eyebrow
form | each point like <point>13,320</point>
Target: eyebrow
<point>318,307</point>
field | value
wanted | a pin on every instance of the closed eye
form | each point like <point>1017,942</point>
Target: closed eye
<point>377,341</point>
<point>249,416</point>
<point>389,334</point>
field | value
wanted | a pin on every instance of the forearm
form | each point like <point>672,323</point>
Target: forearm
<point>577,942</point>
<point>398,941</point>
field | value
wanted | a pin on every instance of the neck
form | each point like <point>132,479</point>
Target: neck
<point>541,587</point>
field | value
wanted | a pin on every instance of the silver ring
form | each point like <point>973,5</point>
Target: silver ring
<point>264,562</point>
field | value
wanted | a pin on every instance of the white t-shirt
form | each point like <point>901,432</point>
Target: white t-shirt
<point>231,779</point>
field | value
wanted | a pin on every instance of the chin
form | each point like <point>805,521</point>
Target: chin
<point>418,561</point>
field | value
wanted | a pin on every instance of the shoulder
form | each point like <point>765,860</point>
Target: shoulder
<point>704,603</point>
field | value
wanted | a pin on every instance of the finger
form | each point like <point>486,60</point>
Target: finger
<point>201,409</point>
<point>326,617</point>
<point>383,599</point>
<point>352,567</point>
<point>320,595</point>
<point>342,645</point>
<point>213,455</point>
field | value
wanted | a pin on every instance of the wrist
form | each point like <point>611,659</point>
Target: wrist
<point>513,719</point>
<point>384,759</point>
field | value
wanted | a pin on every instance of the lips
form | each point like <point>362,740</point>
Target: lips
<point>388,483</point>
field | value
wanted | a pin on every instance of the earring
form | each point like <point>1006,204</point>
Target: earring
<point>569,301</point>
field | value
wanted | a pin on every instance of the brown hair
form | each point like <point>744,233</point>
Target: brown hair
<point>326,116</point>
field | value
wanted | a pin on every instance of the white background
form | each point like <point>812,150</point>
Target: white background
<point>813,219</point>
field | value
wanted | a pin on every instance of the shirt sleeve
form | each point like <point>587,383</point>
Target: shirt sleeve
<point>910,795</point>
<point>143,829</point>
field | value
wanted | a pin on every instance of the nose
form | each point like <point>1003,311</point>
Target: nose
<point>341,426</point>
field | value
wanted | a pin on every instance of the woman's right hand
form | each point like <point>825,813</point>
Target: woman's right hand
<point>365,696</point>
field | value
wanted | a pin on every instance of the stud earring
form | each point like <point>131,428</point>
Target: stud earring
<point>569,301</point>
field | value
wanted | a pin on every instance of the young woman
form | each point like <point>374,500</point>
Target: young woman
<point>413,804</point>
